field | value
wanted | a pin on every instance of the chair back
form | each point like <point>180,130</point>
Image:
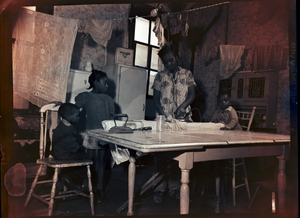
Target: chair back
<point>246,116</point>
<point>49,121</point>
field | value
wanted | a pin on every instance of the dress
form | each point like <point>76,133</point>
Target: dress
<point>98,107</point>
<point>228,117</point>
<point>173,90</point>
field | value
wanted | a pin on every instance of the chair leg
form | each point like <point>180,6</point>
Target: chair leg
<point>246,179</point>
<point>255,193</point>
<point>52,194</point>
<point>33,186</point>
<point>90,189</point>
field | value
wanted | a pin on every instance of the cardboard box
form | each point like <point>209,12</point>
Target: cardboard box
<point>124,56</point>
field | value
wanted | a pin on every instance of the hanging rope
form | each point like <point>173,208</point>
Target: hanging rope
<point>195,9</point>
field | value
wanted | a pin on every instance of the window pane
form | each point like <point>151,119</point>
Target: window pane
<point>141,32</point>
<point>141,55</point>
<point>154,59</point>
<point>151,80</point>
<point>153,38</point>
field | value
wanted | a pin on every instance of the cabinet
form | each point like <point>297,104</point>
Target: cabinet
<point>126,85</point>
<point>259,89</point>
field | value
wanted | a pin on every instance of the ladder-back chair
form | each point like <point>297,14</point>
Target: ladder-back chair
<point>49,121</point>
<point>245,119</point>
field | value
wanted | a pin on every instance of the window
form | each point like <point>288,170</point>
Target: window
<point>145,45</point>
<point>256,87</point>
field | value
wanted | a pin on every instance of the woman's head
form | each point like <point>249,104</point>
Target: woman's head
<point>169,56</point>
<point>223,100</point>
<point>69,112</point>
<point>98,81</point>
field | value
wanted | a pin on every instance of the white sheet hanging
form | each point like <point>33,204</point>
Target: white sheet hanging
<point>230,56</point>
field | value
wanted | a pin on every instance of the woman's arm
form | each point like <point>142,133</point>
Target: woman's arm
<point>189,99</point>
<point>156,98</point>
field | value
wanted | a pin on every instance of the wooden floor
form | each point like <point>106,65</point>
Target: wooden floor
<point>201,205</point>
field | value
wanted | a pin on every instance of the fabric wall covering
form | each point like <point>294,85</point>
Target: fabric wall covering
<point>101,27</point>
<point>42,56</point>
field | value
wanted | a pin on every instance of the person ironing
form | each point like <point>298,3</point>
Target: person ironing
<point>173,92</point>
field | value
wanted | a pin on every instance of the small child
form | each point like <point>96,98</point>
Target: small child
<point>226,114</point>
<point>66,146</point>
<point>98,106</point>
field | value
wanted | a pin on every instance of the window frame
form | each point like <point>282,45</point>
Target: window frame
<point>149,53</point>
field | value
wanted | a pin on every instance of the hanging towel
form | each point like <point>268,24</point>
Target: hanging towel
<point>100,30</point>
<point>230,56</point>
<point>159,32</point>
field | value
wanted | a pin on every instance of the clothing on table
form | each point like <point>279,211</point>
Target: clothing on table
<point>228,117</point>
<point>98,107</point>
<point>174,90</point>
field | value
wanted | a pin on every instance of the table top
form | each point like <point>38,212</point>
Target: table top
<point>170,140</point>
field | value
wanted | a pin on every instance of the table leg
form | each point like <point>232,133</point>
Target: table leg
<point>281,185</point>
<point>186,164</point>
<point>131,179</point>
<point>218,172</point>
<point>217,208</point>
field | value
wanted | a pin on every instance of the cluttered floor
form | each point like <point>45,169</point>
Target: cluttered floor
<point>202,202</point>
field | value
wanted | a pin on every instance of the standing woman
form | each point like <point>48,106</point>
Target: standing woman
<point>173,92</point>
<point>174,87</point>
<point>98,106</point>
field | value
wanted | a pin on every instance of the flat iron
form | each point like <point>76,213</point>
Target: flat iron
<point>121,129</point>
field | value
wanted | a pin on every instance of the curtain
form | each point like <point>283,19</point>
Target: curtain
<point>230,56</point>
<point>42,56</point>
<point>265,57</point>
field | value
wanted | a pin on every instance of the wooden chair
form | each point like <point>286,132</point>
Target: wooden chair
<point>50,118</point>
<point>245,119</point>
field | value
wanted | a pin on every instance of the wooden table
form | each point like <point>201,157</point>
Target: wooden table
<point>197,146</point>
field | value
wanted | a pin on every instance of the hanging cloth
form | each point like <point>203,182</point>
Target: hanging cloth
<point>100,30</point>
<point>266,57</point>
<point>159,32</point>
<point>230,56</point>
<point>42,56</point>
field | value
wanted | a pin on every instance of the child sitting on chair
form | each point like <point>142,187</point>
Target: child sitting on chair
<point>226,114</point>
<point>66,146</point>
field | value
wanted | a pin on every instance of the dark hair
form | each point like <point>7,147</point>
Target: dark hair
<point>67,109</point>
<point>167,49</point>
<point>96,75</point>
<point>222,94</point>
